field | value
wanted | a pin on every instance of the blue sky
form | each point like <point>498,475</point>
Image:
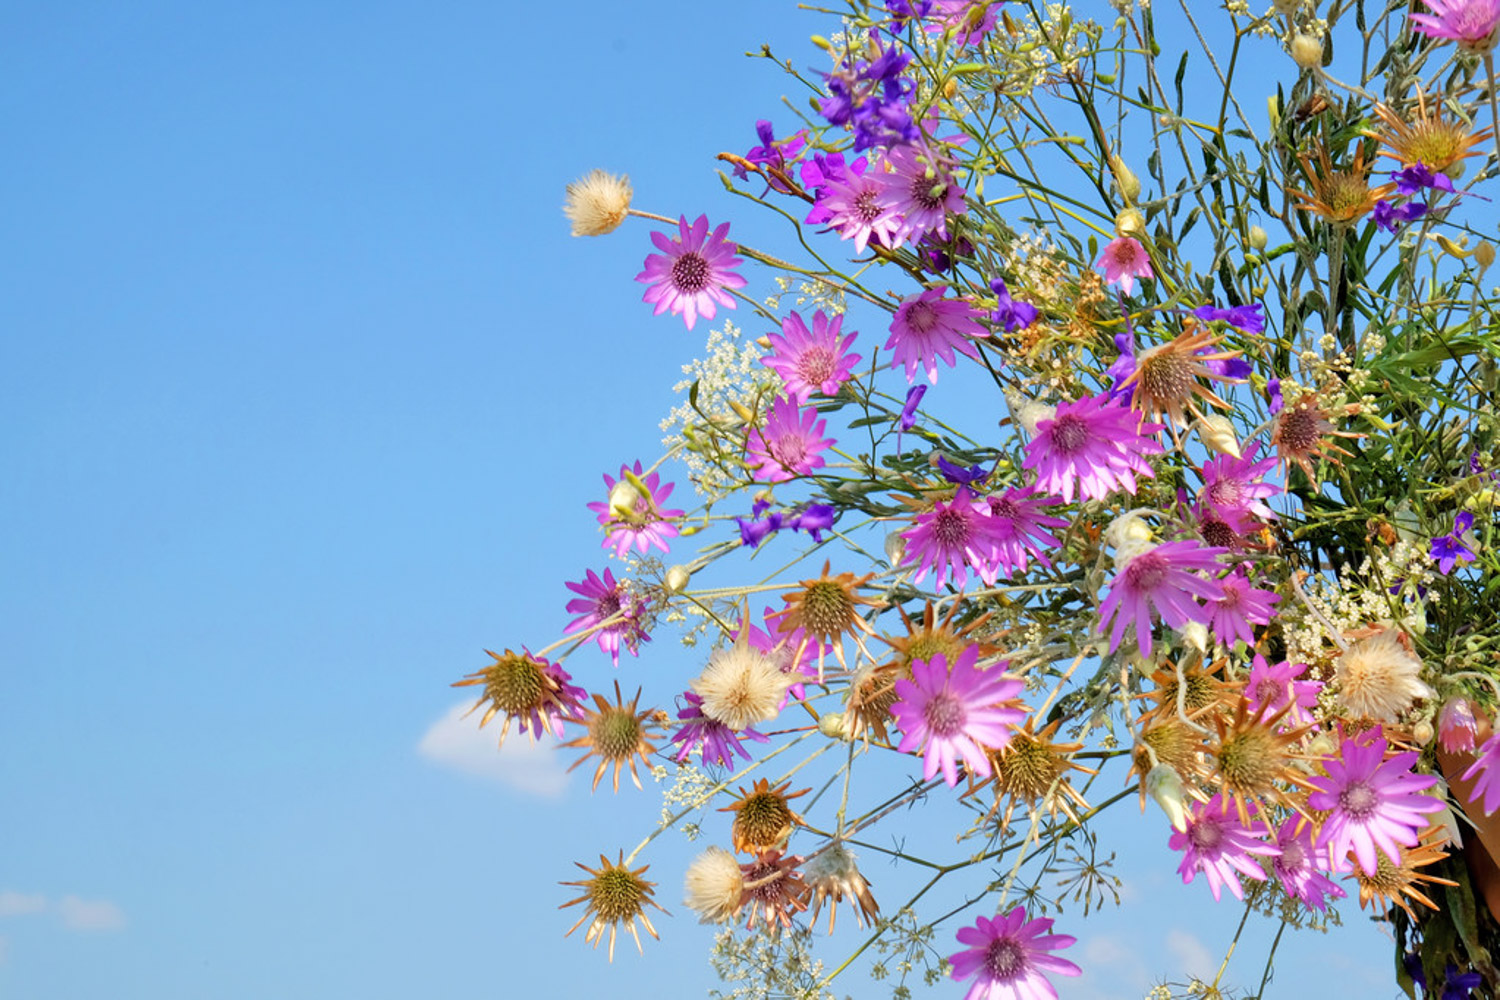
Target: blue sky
<point>303,387</point>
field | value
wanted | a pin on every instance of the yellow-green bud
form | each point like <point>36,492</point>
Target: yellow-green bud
<point>623,497</point>
<point>1164,785</point>
<point>676,580</point>
<point>1484,254</point>
<point>1130,222</point>
<point>1258,238</point>
<point>833,725</point>
<point>1126,182</point>
<point>1217,432</point>
<point>1307,51</point>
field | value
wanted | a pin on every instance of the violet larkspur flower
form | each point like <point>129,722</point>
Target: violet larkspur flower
<point>1295,869</point>
<point>956,712</point>
<point>1242,605</point>
<point>1373,802</point>
<point>1473,24</point>
<point>1413,179</point>
<point>1268,689</point>
<point>1020,527</point>
<point>631,515</point>
<point>1009,955</point>
<point>1092,446</point>
<point>872,96</point>
<point>773,154</point>
<point>922,192</point>
<point>1164,577</point>
<point>1485,775</point>
<point>1392,217</point>
<point>714,741</point>
<point>1124,260</point>
<point>929,327</point>
<point>809,361</point>
<point>1246,318</point>
<point>1448,549</point>
<point>952,539</point>
<point>1218,845</point>
<point>1010,313</point>
<point>790,445</point>
<point>958,475</point>
<point>600,599</point>
<point>692,271</point>
<point>909,411</point>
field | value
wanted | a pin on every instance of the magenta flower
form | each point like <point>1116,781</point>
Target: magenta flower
<point>713,740</point>
<point>1373,803</point>
<point>1242,605</point>
<point>1124,260</point>
<point>855,204</point>
<point>1269,689</point>
<point>928,327</point>
<point>922,193</point>
<point>1164,577</point>
<point>809,361</point>
<point>1234,484</point>
<point>790,444</point>
<point>1218,845</point>
<point>692,271</point>
<point>1470,23</point>
<point>954,538</point>
<point>1295,869</point>
<point>632,516</point>
<point>960,16</point>
<point>1457,727</point>
<point>1485,775</point>
<point>1093,445</point>
<point>1009,955</point>
<point>1020,528</point>
<point>956,713</point>
<point>795,652</point>
<point>601,599</point>
<point>1227,526</point>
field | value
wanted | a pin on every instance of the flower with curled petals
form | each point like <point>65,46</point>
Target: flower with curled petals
<point>1009,958</point>
<point>1092,447</point>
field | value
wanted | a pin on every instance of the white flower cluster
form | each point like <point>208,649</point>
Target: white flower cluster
<point>1360,597</point>
<point>691,788</point>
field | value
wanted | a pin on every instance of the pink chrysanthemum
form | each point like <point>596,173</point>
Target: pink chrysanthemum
<point>1093,445</point>
<point>928,327</point>
<point>1234,484</point>
<point>1485,775</point>
<point>1241,606</point>
<point>922,194</point>
<point>958,712</point>
<point>1020,527</point>
<point>601,599</point>
<point>1294,867</point>
<point>1164,577</point>
<point>1473,24</point>
<point>634,517</point>
<point>1218,845</point>
<point>857,206</point>
<point>692,271</point>
<point>1268,689</point>
<point>1373,802</point>
<point>1009,955</point>
<point>1124,260</point>
<point>790,445</point>
<point>1457,726</point>
<point>954,538</point>
<point>809,361</point>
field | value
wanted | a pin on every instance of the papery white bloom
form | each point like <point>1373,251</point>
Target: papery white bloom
<point>1217,432</point>
<point>677,579</point>
<point>1164,785</point>
<point>741,686</point>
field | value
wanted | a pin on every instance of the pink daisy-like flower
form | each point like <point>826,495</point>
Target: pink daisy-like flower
<point>1009,955</point>
<point>1457,726</point>
<point>1218,845</point>
<point>970,20</point>
<point>599,600</point>
<point>1124,260</point>
<point>816,360</point>
<point>1485,775</point>
<point>795,652</point>
<point>1473,24</point>
<point>1020,527</point>
<point>713,740</point>
<point>1295,869</point>
<point>692,271</point>
<point>1093,445</point>
<point>1242,605</point>
<point>1234,484</point>
<point>954,538</point>
<point>922,193</point>
<point>633,516</point>
<point>1164,577</point>
<point>1268,689</point>
<point>928,327</point>
<point>790,445</point>
<point>856,205</point>
<point>956,713</point>
<point>1226,526</point>
<point>1373,802</point>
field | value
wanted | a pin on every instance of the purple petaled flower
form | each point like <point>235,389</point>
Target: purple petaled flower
<point>814,519</point>
<point>1242,605</point>
<point>922,192</point>
<point>1273,393</point>
<point>960,476</point>
<point>1372,802</point>
<point>790,445</point>
<point>1448,549</point>
<point>909,412</point>
<point>856,207</point>
<point>1217,844</point>
<point>1164,577</point>
<point>1458,985</point>
<point>601,599</point>
<point>1123,366</point>
<point>794,651</point>
<point>756,529</point>
<point>1473,24</point>
<point>632,515</point>
<point>1012,314</point>
<point>1295,869</point>
<point>1020,528</point>
<point>1457,726</point>
<point>956,713</point>
<point>937,253</point>
<point>1269,689</point>
<point>775,155</point>
<point>1009,956</point>
<point>816,360</point>
<point>954,538</point>
<point>872,97</point>
<point>1246,318</point>
<point>1094,446</point>
<point>902,11</point>
<point>1413,179</point>
<point>1392,217</point>
<point>1237,484</point>
<point>929,327</point>
<point>1485,775</point>
<point>969,20</point>
<point>715,742</point>
<point>692,271</point>
<point>1124,260</point>
<point>823,170</point>
<point>1226,526</point>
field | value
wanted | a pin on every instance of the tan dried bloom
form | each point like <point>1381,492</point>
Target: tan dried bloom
<point>597,203</point>
<point>713,886</point>
<point>1379,676</point>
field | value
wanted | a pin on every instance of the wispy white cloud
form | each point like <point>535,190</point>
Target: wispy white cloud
<point>532,768</point>
<point>75,913</point>
<point>1112,970</point>
<point>1192,956</point>
<point>18,904</point>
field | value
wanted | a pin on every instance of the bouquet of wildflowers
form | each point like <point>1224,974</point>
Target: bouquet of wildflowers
<point>1117,423</point>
